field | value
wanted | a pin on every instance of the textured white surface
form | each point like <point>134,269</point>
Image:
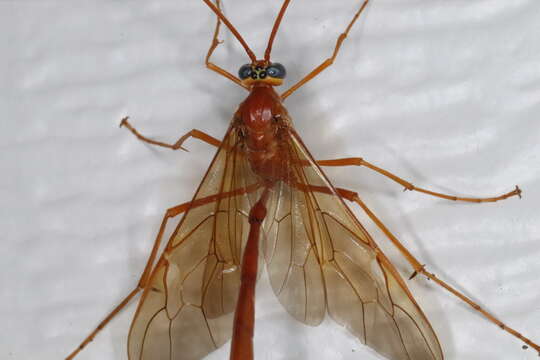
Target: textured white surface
<point>444,93</point>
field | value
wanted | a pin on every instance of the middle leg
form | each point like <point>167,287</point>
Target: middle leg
<point>357,161</point>
<point>198,134</point>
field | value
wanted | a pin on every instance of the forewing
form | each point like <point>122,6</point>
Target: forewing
<point>320,258</point>
<point>186,310</point>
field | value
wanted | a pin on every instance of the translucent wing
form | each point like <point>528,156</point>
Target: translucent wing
<point>320,259</point>
<point>185,312</point>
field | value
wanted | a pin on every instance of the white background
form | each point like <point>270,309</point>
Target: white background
<point>444,93</point>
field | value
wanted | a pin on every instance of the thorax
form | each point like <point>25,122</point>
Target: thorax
<point>262,124</point>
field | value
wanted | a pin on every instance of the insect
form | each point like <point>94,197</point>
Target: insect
<point>264,182</point>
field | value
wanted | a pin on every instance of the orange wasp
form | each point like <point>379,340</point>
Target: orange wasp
<point>263,184</point>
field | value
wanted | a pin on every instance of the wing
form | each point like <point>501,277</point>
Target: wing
<point>320,259</point>
<point>186,310</point>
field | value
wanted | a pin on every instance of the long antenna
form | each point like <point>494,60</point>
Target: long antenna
<point>275,29</point>
<point>236,34</point>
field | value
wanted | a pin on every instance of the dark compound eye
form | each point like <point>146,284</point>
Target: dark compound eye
<point>245,71</point>
<point>276,70</point>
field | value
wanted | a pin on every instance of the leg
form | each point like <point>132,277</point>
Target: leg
<point>420,269</point>
<point>143,281</point>
<point>170,213</point>
<point>178,144</point>
<point>326,63</point>
<point>411,187</point>
<point>104,323</point>
<point>215,42</point>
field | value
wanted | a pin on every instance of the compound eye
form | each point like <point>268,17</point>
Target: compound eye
<point>276,70</point>
<point>245,71</point>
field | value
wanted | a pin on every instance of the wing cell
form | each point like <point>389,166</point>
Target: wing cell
<point>321,260</point>
<point>186,310</point>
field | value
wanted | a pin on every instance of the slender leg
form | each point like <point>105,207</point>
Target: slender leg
<point>417,266</point>
<point>178,144</point>
<point>213,45</point>
<point>244,316</point>
<point>170,213</point>
<point>411,187</point>
<point>420,269</point>
<point>233,30</point>
<point>104,323</point>
<point>143,281</point>
<point>326,63</point>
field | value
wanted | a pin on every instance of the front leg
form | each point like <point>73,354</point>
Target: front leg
<point>197,134</point>
<point>409,186</point>
<point>213,45</point>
